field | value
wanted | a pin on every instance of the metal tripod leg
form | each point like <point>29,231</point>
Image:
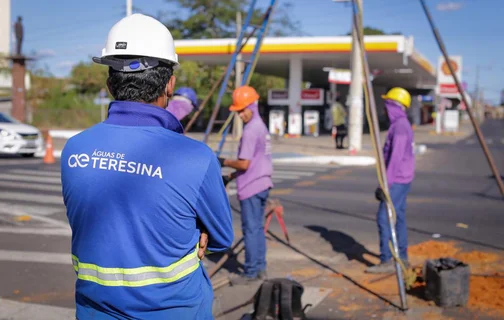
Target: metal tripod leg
<point>399,271</point>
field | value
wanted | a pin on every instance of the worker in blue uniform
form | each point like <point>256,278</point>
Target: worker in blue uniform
<point>144,202</point>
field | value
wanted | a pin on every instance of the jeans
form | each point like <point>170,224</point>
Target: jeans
<point>341,132</point>
<point>252,216</point>
<point>398,194</point>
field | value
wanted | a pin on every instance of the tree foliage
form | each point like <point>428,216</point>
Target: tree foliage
<point>89,78</point>
<point>207,19</point>
<point>370,31</point>
<point>68,102</point>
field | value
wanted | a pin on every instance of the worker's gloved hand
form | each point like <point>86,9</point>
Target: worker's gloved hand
<point>379,194</point>
<point>203,242</point>
<point>221,161</point>
<point>226,180</point>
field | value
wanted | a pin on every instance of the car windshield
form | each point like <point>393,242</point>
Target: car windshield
<point>6,119</point>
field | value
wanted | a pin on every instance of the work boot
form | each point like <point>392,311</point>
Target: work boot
<point>384,267</point>
<point>242,280</point>
<point>262,275</point>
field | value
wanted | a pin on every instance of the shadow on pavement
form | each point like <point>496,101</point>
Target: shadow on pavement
<point>361,217</point>
<point>232,265</point>
<point>327,267</point>
<point>343,243</point>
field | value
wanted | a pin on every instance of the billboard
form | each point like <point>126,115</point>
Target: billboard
<point>445,83</point>
<point>309,97</point>
<point>340,76</point>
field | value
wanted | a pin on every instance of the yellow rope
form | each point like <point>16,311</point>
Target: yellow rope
<point>409,276</point>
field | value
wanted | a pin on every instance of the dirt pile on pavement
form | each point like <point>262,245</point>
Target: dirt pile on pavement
<point>487,293</point>
<point>437,249</point>
<point>433,249</point>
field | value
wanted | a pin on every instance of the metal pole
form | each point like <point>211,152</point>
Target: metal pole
<point>355,119</point>
<point>228,72</point>
<point>251,66</point>
<point>203,103</point>
<point>129,7</point>
<point>381,161</point>
<point>237,121</point>
<point>333,92</point>
<point>477,129</point>
<point>102,110</point>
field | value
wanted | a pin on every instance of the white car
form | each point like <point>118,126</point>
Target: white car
<point>19,138</point>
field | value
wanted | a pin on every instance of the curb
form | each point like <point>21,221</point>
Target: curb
<point>64,134</point>
<point>339,160</point>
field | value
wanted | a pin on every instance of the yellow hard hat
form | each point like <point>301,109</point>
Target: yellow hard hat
<point>399,95</point>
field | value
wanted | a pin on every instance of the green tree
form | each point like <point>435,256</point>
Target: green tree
<point>88,78</point>
<point>217,19</point>
<point>206,19</point>
<point>370,31</point>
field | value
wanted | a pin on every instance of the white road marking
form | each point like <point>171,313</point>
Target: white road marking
<point>489,141</point>
<point>11,162</point>
<point>32,186</point>
<point>312,168</point>
<point>293,173</point>
<point>470,141</point>
<point>41,173</point>
<point>23,311</point>
<point>31,197</point>
<point>30,209</point>
<point>38,231</point>
<point>285,177</point>
<point>50,221</point>
<point>33,256</point>
<point>18,177</point>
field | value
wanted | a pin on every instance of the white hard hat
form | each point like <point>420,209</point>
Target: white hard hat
<point>140,36</point>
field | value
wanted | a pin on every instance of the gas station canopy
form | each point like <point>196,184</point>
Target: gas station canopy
<point>393,59</point>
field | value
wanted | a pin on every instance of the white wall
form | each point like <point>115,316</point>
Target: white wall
<point>5,26</point>
<point>6,80</point>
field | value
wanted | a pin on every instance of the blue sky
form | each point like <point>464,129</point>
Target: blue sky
<point>64,32</point>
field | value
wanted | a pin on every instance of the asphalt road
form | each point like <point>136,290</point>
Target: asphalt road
<point>453,185</point>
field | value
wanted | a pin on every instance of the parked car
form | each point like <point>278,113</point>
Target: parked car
<point>19,138</point>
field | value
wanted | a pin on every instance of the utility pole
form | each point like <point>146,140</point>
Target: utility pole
<point>477,91</point>
<point>469,109</point>
<point>237,121</point>
<point>355,121</point>
<point>129,7</point>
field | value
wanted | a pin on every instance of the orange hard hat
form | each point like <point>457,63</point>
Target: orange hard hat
<point>242,97</point>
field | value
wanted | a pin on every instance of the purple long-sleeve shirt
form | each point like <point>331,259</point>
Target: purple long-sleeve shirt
<point>255,145</point>
<point>399,148</point>
<point>180,107</point>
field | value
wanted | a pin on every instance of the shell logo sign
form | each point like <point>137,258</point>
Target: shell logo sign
<point>445,84</point>
<point>446,70</point>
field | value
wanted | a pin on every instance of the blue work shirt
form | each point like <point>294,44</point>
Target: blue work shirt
<point>137,193</point>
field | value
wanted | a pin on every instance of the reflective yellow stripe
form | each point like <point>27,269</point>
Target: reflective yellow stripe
<point>136,277</point>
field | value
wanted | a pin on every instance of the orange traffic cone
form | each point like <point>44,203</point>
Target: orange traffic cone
<point>49,154</point>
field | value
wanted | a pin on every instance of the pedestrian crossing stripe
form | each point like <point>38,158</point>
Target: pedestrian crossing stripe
<point>29,178</point>
<point>54,174</point>
<point>37,192</point>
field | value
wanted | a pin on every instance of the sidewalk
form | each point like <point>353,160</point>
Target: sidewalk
<point>337,286</point>
<point>307,149</point>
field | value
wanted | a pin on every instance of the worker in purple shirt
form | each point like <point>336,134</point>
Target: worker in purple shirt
<point>184,101</point>
<point>400,162</point>
<point>253,179</point>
